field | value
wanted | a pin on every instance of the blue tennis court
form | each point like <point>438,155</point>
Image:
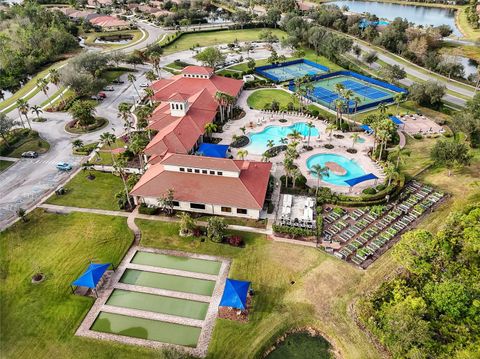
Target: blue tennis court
<point>291,70</point>
<point>364,93</point>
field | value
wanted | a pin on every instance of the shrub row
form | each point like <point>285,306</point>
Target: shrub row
<point>294,232</point>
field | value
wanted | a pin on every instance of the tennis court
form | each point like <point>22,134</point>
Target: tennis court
<point>291,70</point>
<point>368,93</point>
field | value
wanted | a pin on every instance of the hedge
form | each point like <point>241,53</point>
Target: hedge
<point>293,231</point>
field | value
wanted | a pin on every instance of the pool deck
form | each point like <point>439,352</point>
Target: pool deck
<point>252,121</point>
<point>113,283</point>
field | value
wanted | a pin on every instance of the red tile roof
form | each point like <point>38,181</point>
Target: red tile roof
<point>108,21</point>
<point>246,191</point>
<point>198,70</point>
<point>164,88</point>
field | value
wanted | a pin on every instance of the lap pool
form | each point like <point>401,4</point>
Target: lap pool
<point>158,304</point>
<point>177,262</point>
<point>259,140</point>
<point>352,168</point>
<point>147,329</point>
<point>168,282</point>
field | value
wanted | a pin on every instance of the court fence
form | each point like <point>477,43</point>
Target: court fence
<point>386,85</point>
<point>262,70</point>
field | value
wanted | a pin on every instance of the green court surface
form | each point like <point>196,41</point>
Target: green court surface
<point>146,329</point>
<point>168,282</point>
<point>177,262</point>
<point>159,304</point>
<point>367,93</point>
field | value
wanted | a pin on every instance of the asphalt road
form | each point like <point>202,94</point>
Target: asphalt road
<point>29,180</point>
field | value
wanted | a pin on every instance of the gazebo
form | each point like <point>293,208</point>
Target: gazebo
<point>235,296</point>
<point>92,276</point>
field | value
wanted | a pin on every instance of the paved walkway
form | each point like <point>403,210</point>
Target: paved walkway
<point>132,216</point>
<point>11,159</point>
<point>403,140</point>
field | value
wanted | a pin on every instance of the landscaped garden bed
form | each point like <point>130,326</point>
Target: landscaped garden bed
<point>74,127</point>
<point>22,140</point>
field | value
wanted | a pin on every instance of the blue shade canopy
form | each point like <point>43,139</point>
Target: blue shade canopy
<point>92,275</point>
<point>353,181</point>
<point>235,294</point>
<point>396,120</point>
<point>366,128</point>
<point>213,150</point>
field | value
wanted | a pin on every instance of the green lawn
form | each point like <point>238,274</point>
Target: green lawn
<point>187,41</point>
<point>260,98</point>
<point>468,31</point>
<point>39,320</point>
<point>5,164</point>
<point>31,142</point>
<point>98,193</point>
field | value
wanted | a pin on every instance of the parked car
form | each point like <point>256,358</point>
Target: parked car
<point>102,95</point>
<point>108,88</point>
<point>64,166</point>
<point>96,97</point>
<point>30,154</point>
<point>144,85</point>
<point>118,81</point>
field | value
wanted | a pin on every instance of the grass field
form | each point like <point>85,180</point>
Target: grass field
<point>187,41</point>
<point>260,98</point>
<point>98,193</point>
<point>31,141</point>
<point>464,25</point>
<point>39,320</point>
<point>5,164</point>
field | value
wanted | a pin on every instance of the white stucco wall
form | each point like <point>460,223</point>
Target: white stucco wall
<point>209,208</point>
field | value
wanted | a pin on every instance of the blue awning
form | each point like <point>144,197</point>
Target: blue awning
<point>366,128</point>
<point>396,120</point>
<point>213,150</point>
<point>353,181</point>
<point>92,275</point>
<point>235,294</point>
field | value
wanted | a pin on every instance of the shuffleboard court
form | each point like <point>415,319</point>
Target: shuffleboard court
<point>177,262</point>
<point>168,282</point>
<point>158,304</point>
<point>146,329</point>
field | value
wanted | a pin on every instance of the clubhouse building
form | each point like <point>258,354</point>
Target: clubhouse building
<point>219,186</point>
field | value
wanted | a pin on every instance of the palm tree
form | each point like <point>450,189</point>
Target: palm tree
<point>399,154</point>
<point>391,172</point>
<point>241,154</point>
<point>320,172</point>
<point>119,166</point>
<point>209,129</point>
<point>310,125</point>
<point>150,76</point>
<point>288,167</point>
<point>398,98</point>
<point>295,135</point>
<point>382,108</point>
<point>221,98</point>
<point>270,143</point>
<point>339,107</point>
<point>330,129</point>
<point>137,145</point>
<point>155,59</point>
<point>357,101</point>
<point>42,84</point>
<point>354,137</point>
<point>77,144</point>
<point>124,114</point>
<point>37,110</point>
<point>295,173</point>
<point>284,140</point>
<point>149,93</point>
<point>131,78</point>
<point>109,139</point>
<point>22,107</point>
<point>54,78</point>
<point>229,102</point>
<point>347,95</point>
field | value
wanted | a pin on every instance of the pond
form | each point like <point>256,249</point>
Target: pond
<point>419,15</point>
<point>469,65</point>
<point>300,346</point>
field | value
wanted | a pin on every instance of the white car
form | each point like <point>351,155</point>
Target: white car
<point>144,85</point>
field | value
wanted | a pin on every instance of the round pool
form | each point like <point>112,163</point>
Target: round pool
<point>350,167</point>
<point>259,140</point>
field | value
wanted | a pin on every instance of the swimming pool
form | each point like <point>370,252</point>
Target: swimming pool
<point>352,169</point>
<point>259,140</point>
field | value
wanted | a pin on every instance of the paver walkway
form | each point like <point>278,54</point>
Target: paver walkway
<point>11,159</point>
